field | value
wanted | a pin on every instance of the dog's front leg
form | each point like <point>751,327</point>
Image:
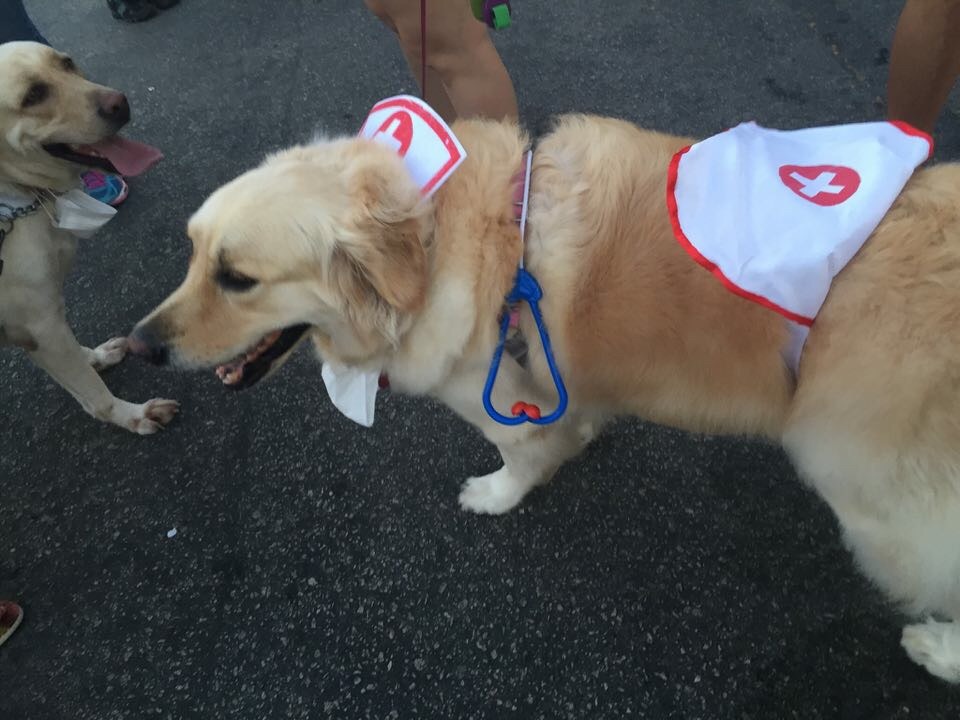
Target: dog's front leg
<point>106,354</point>
<point>529,461</point>
<point>936,646</point>
<point>531,453</point>
<point>72,365</point>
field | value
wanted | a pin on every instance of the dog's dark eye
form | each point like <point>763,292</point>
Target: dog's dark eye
<point>234,281</point>
<point>37,93</point>
<point>68,64</point>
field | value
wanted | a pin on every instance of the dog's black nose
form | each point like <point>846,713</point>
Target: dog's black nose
<point>146,344</point>
<point>113,106</point>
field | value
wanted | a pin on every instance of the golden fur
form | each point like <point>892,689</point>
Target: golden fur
<point>67,114</point>
<point>44,100</point>
<point>334,236</point>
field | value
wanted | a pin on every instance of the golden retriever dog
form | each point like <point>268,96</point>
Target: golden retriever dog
<point>49,117</point>
<point>332,241</point>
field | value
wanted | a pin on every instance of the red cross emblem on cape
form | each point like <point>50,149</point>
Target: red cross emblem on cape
<point>821,184</point>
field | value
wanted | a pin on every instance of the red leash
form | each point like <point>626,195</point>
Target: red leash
<point>423,50</point>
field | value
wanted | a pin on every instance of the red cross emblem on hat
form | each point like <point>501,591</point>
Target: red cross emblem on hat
<point>821,184</point>
<point>430,150</point>
<point>397,131</point>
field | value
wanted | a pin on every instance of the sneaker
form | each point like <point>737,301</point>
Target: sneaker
<point>131,10</point>
<point>109,189</point>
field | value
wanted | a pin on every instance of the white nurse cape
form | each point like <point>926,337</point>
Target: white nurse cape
<point>775,215</point>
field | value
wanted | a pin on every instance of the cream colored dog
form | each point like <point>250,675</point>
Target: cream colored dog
<point>332,241</point>
<point>47,111</point>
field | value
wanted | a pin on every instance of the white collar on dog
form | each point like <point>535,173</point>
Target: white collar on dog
<point>74,211</point>
<point>430,152</point>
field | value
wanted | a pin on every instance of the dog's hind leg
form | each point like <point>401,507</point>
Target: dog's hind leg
<point>898,502</point>
<point>72,366</point>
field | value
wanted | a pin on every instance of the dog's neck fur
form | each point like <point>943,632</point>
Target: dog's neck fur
<point>16,195</point>
<point>473,259</point>
<point>35,170</point>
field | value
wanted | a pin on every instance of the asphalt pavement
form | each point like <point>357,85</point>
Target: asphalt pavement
<point>320,570</point>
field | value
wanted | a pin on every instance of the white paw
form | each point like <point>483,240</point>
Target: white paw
<point>936,646</point>
<point>493,494</point>
<point>108,354</point>
<point>146,419</point>
<point>587,430</point>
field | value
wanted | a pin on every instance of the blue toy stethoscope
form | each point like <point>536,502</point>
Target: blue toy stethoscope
<point>525,289</point>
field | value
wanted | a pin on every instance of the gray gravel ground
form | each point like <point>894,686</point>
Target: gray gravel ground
<point>320,570</point>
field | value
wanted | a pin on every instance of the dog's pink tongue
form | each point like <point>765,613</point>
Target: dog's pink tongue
<point>129,157</point>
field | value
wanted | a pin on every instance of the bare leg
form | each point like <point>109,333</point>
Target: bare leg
<point>436,93</point>
<point>924,61</point>
<point>465,75</point>
<point>70,364</point>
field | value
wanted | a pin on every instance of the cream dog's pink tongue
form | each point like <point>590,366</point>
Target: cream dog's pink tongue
<point>129,157</point>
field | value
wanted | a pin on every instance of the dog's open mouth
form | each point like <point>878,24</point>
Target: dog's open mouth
<point>252,366</point>
<point>114,154</point>
<point>86,155</point>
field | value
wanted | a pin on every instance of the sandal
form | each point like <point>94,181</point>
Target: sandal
<point>11,615</point>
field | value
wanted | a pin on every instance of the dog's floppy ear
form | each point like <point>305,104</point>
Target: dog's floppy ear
<point>390,265</point>
<point>383,258</point>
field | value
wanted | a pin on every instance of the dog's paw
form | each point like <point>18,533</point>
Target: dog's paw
<point>492,494</point>
<point>936,646</point>
<point>152,416</point>
<point>108,354</point>
<point>587,430</point>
